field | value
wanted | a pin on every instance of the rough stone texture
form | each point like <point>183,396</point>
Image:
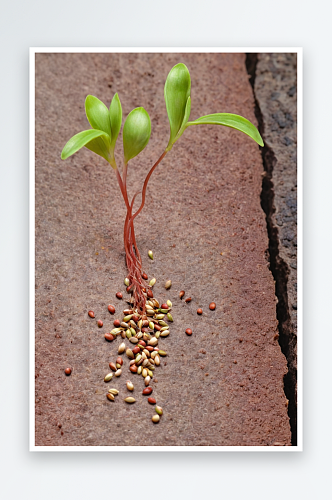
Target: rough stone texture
<point>203,221</point>
<point>276,94</point>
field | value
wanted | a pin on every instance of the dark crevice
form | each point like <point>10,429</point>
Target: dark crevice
<point>278,266</point>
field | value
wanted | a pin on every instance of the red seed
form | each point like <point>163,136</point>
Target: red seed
<point>144,276</point>
<point>199,311</point>
<point>129,289</point>
<point>100,323</point>
<point>164,306</point>
<point>113,367</point>
<point>133,368</point>
<point>157,327</point>
<point>91,314</point>
<point>135,318</point>
<point>145,322</point>
<point>188,300</point>
<point>212,306</point>
<point>149,348</point>
<point>152,401</point>
<point>111,309</point>
<point>141,342</point>
<point>118,295</point>
<point>109,337</point>
<point>136,350</point>
<point>149,293</point>
<point>147,391</point>
<point>117,323</point>
<point>181,294</point>
<point>68,371</point>
<point>189,331</point>
<point>119,360</point>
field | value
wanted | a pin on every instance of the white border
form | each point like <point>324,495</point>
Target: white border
<point>277,449</point>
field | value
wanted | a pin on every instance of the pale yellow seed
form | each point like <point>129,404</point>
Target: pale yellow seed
<point>157,360</point>
<point>168,284</point>
<point>122,348</point>
<point>130,386</point>
<point>115,392</point>
<point>108,377</point>
<point>130,400</point>
<point>144,372</point>
<point>155,419</point>
<point>152,282</point>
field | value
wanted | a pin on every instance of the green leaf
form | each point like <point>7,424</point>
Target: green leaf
<point>115,113</point>
<point>185,119</point>
<point>136,133</point>
<point>176,91</point>
<point>232,121</point>
<point>97,114</point>
<point>95,140</point>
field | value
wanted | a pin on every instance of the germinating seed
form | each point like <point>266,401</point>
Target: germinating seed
<point>159,410</point>
<point>150,254</point>
<point>130,385</point>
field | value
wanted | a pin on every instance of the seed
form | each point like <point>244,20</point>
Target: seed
<point>144,276</point>
<point>164,328</point>
<point>138,358</point>
<point>108,377</point>
<point>91,314</point>
<point>144,372</point>
<point>111,309</point>
<point>188,300</point>
<point>115,392</point>
<point>212,306</point>
<point>146,337</point>
<point>122,348</point>
<point>123,325</point>
<point>133,331</point>
<point>153,341</point>
<point>68,371</point>
<point>110,396</point>
<point>116,323</point>
<point>165,311</point>
<point>100,323</point>
<point>127,311</point>
<point>123,335</point>
<point>130,400</point>
<point>150,254</point>
<point>115,331</point>
<point>165,333</point>
<point>159,316</point>
<point>118,372</point>
<point>151,362</point>
<point>162,353</point>
<point>169,317</point>
<point>129,289</point>
<point>181,294</point>
<point>139,335</point>
<point>159,410</point>
<point>147,380</point>
<point>199,311</point>
<point>133,368</point>
<point>157,327</point>
<point>147,391</point>
<point>149,293</point>
<point>113,367</point>
<point>157,335</point>
<point>169,303</point>
<point>157,360</point>
<point>150,373</point>
<point>130,354</point>
<point>132,362</point>
<point>168,284</point>
<point>140,324</point>
<point>141,342</point>
<point>136,350</point>
<point>119,361</point>
<point>130,386</point>
<point>139,370</point>
<point>189,331</point>
<point>152,401</point>
<point>164,306</point>
<point>135,318</point>
<point>155,419</point>
<point>109,337</point>
<point>145,362</point>
<point>162,323</point>
<point>128,334</point>
<point>154,354</point>
<point>118,295</point>
<point>126,282</point>
<point>127,318</point>
<point>151,325</point>
<point>155,302</point>
<point>152,282</point>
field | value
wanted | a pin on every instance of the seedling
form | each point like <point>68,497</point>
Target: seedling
<point>101,139</point>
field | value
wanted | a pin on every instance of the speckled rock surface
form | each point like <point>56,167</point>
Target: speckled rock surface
<point>203,220</point>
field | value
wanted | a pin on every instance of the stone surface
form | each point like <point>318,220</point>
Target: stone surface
<point>203,220</point>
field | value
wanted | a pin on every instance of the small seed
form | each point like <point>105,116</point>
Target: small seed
<point>118,372</point>
<point>152,282</point>
<point>144,276</point>
<point>111,309</point>
<point>127,318</point>
<point>151,325</point>
<point>162,353</point>
<point>128,334</point>
<point>189,331</point>
<point>169,303</point>
<point>122,348</point>
<point>159,410</point>
<point>133,331</point>
<point>212,306</point>
<point>109,337</point>
<point>157,335</point>
<point>123,324</point>
<point>199,311</point>
<point>181,294</point>
<point>152,401</point>
<point>155,302</point>
<point>115,331</point>
<point>164,306</point>
<point>151,362</point>
<point>116,323</point>
<point>169,317</point>
<point>164,328</point>
<point>162,323</point>
<point>140,324</point>
<point>127,311</point>
<point>100,323</point>
<point>136,350</point>
<point>145,362</point>
<point>154,354</point>
<point>119,361</point>
<point>153,341</point>
<point>130,354</point>
<point>132,362</point>
<point>135,318</point>
<point>150,373</point>
<point>115,392</point>
<point>149,293</point>
<point>188,300</point>
<point>91,314</point>
<point>130,400</point>
<point>126,282</point>
<point>118,365</point>
<point>113,367</point>
<point>141,342</point>
<point>147,391</point>
<point>139,370</point>
<point>147,380</point>
<point>110,396</point>
<point>146,352</point>
<point>155,419</point>
<point>108,377</point>
<point>123,335</point>
<point>159,316</point>
<point>138,358</point>
<point>68,371</point>
<point>150,254</point>
<point>157,360</point>
<point>130,386</point>
<point>165,333</point>
<point>118,295</point>
<point>144,372</point>
<point>133,368</point>
<point>168,284</point>
<point>165,311</point>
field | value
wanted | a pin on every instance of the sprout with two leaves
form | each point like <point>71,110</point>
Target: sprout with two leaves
<point>101,139</point>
